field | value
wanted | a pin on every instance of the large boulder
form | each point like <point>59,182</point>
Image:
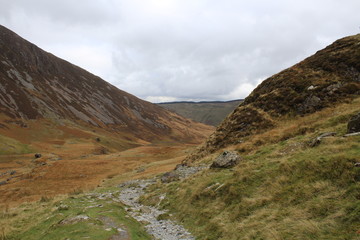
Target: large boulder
<point>227,159</point>
<point>354,124</point>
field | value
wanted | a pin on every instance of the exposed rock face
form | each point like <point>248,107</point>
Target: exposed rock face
<point>227,159</point>
<point>35,84</point>
<point>329,77</point>
<point>354,124</point>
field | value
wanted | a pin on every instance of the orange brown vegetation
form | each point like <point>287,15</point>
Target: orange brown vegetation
<point>76,158</point>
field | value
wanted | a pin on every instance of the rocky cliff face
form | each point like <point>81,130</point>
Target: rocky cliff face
<point>330,76</point>
<point>35,84</point>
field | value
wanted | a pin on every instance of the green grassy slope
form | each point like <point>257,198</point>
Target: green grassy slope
<point>211,113</point>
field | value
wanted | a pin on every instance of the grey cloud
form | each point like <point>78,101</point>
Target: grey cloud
<point>183,49</point>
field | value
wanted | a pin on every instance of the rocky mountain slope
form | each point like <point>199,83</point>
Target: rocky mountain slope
<point>211,113</point>
<point>38,85</point>
<point>329,77</point>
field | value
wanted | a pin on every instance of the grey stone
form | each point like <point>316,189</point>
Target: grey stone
<point>354,124</point>
<point>316,141</point>
<point>63,207</point>
<point>310,104</point>
<point>169,177</point>
<point>352,134</point>
<point>38,155</point>
<point>76,219</point>
<point>227,159</point>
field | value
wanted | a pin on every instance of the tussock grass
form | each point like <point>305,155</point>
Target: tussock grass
<point>283,189</point>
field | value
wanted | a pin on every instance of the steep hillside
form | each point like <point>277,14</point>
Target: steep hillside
<point>37,85</point>
<point>329,77</point>
<point>211,113</point>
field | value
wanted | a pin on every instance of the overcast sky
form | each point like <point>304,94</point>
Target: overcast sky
<point>166,50</point>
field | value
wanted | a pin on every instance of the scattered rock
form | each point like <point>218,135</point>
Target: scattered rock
<point>354,124</point>
<point>149,216</point>
<point>227,159</point>
<point>63,207</point>
<point>333,88</point>
<point>311,87</point>
<point>352,134</point>
<point>311,104</point>
<point>357,164</point>
<point>97,139</point>
<point>169,177</point>
<point>316,141</point>
<point>76,219</point>
<point>12,172</point>
<point>38,155</point>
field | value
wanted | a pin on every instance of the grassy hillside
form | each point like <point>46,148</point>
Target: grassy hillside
<point>211,113</point>
<point>282,189</point>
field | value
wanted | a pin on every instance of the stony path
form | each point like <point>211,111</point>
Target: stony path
<point>160,229</point>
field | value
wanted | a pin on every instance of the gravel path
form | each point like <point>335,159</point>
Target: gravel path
<point>160,229</point>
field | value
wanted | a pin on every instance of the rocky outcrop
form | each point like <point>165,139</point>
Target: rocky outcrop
<point>354,124</point>
<point>226,159</point>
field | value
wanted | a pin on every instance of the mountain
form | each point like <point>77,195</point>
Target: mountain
<point>210,113</point>
<point>329,77</point>
<point>36,85</point>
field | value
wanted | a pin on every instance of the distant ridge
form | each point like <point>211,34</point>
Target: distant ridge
<point>208,112</point>
<point>230,101</point>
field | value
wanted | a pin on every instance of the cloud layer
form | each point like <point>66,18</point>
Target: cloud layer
<point>164,50</point>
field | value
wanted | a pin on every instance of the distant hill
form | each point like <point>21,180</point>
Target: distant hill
<point>211,113</point>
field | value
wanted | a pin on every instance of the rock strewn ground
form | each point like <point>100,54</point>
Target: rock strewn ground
<point>160,229</point>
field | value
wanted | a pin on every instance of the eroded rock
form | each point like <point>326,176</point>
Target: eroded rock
<point>227,159</point>
<point>169,177</point>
